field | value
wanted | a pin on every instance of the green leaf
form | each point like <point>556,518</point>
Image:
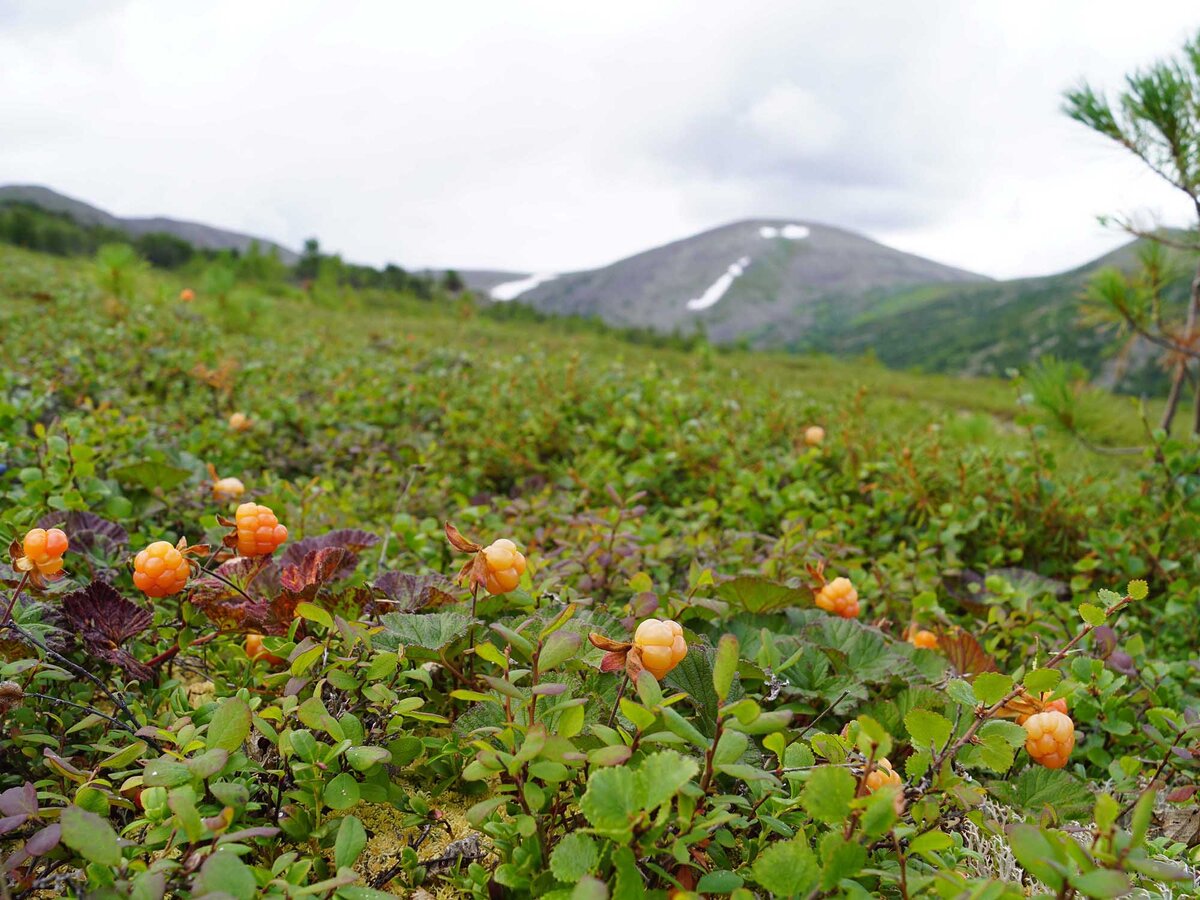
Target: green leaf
<point>998,742</point>
<point>610,802</point>
<point>1039,681</point>
<point>570,722</point>
<point>827,794</point>
<point>312,712</point>
<point>432,631</point>
<point>90,836</point>
<point>301,663</point>
<point>758,595</point>
<point>557,649</point>
<point>787,868</point>
<point>574,856</point>
<point>719,881</point>
<point>725,666</point>
<point>208,763</point>
<point>230,725</point>
<point>1037,789</point>
<point>150,475</point>
<point>661,775</point>
<point>479,813</point>
<point>223,874</point>
<point>589,888</point>
<point>1091,614</point>
<point>840,859</point>
<point>351,839</point>
<point>314,613</point>
<point>1139,821</point>
<point>927,728</point>
<point>363,758</point>
<point>990,687</point>
<point>165,772</point>
<point>1101,883</point>
<point>1137,590</point>
<point>341,792</point>
<point>1035,853</point>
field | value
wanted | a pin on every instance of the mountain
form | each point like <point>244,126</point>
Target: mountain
<point>203,236</point>
<point>763,280</point>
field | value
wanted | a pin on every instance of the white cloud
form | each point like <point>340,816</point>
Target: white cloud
<point>537,135</point>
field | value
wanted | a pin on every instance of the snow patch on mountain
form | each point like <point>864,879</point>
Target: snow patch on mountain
<point>791,232</point>
<point>717,289</point>
<point>511,290</point>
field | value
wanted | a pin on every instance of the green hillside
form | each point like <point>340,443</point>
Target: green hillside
<point>396,731</point>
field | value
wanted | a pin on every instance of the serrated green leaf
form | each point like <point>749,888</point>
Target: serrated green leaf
<point>828,793</point>
<point>573,857</point>
<point>1091,614</point>
<point>929,730</point>
<point>787,868</point>
<point>990,687</point>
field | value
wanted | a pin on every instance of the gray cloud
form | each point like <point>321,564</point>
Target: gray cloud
<point>546,135</point>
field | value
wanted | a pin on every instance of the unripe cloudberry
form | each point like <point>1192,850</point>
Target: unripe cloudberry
<point>882,774</point>
<point>44,549</point>
<point>1050,738</point>
<point>505,566</point>
<point>258,530</point>
<point>839,597</point>
<point>661,644</point>
<point>160,570</point>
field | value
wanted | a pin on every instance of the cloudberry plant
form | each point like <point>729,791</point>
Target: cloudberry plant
<point>1050,738</point>
<point>259,532</point>
<point>661,644</point>
<point>160,570</point>
<point>882,774</point>
<point>505,566</point>
<point>839,597</point>
<point>44,551</point>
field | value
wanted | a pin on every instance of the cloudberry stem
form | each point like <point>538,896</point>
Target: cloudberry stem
<point>470,667</point>
<point>174,651</point>
<point>13,600</point>
<point>620,693</point>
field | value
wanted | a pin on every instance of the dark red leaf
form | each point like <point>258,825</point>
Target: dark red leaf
<point>633,663</point>
<point>352,540</point>
<point>252,601</point>
<point>317,568</point>
<point>103,620</point>
<point>19,801</point>
<point>614,661</point>
<point>43,841</point>
<point>411,593</point>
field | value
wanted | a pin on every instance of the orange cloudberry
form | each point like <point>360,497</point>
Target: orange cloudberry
<point>1050,738</point>
<point>923,639</point>
<point>661,644</point>
<point>239,421</point>
<point>505,566</point>
<point>882,774</point>
<point>226,489</point>
<point>839,597</point>
<point>160,570</point>
<point>258,530</point>
<point>44,550</point>
<point>814,435</point>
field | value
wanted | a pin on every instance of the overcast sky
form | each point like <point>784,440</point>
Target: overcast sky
<point>547,136</point>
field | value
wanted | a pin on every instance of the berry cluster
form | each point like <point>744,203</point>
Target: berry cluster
<point>1050,738</point>
<point>44,550</point>
<point>258,530</point>
<point>505,566</point>
<point>661,644</point>
<point>160,570</point>
<point>839,597</point>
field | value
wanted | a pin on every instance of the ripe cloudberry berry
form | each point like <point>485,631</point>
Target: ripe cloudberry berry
<point>661,644</point>
<point>882,774</point>
<point>1059,705</point>
<point>814,435</point>
<point>923,639</point>
<point>839,597</point>
<point>256,650</point>
<point>44,550</point>
<point>227,489</point>
<point>1050,738</point>
<point>160,570</point>
<point>239,421</point>
<point>187,295</point>
<point>258,530</point>
<point>505,566</point>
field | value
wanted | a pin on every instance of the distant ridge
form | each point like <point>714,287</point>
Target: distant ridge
<point>199,235</point>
